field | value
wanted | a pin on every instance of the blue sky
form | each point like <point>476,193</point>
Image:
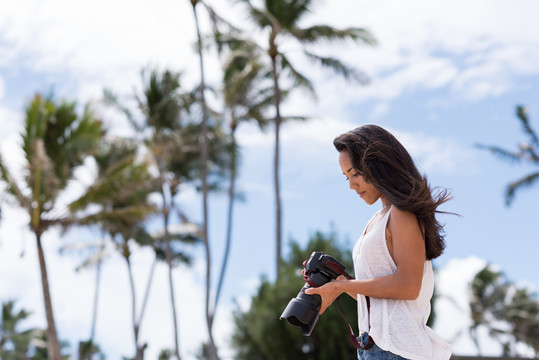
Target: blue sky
<point>444,76</point>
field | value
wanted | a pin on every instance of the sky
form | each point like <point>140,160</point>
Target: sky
<point>444,76</point>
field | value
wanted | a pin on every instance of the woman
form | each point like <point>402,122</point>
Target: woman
<point>394,280</point>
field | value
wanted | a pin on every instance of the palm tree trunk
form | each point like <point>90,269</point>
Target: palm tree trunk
<point>204,178</point>
<point>167,201</point>
<point>231,196</point>
<point>96,296</point>
<point>277,100</point>
<point>139,349</point>
<point>475,340</point>
<point>133,308</point>
<point>82,353</point>
<point>174,315</point>
<point>53,345</point>
<point>147,292</point>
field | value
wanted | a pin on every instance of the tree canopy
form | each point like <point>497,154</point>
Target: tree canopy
<point>330,338</point>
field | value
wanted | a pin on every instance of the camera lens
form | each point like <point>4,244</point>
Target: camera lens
<point>303,311</point>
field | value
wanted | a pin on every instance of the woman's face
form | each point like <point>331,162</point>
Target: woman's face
<point>366,191</point>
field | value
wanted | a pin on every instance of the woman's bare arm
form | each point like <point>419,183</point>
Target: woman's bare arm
<point>408,252</point>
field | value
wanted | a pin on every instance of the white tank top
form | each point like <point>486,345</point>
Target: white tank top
<point>398,326</point>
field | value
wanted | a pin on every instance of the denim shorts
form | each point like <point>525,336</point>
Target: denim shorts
<point>374,353</point>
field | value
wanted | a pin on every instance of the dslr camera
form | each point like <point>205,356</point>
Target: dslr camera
<point>303,310</point>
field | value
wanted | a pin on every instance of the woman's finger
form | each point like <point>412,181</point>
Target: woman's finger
<point>311,291</point>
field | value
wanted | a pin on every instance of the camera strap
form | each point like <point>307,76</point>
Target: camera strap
<point>338,269</point>
<point>353,338</point>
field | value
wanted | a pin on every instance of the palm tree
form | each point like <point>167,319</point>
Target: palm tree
<point>205,142</point>
<point>121,192</point>
<point>522,314</point>
<point>487,298</point>
<point>88,350</point>
<point>172,139</point>
<point>246,99</point>
<point>204,178</point>
<point>55,142</point>
<point>510,313</point>
<point>161,106</point>
<point>280,19</point>
<point>528,151</point>
<point>14,343</point>
<point>95,254</point>
<point>118,176</point>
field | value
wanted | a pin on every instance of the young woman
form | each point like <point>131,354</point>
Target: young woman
<point>394,280</point>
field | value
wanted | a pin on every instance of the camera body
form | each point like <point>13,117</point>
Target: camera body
<point>303,310</point>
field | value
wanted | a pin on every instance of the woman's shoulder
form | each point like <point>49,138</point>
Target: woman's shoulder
<point>401,218</point>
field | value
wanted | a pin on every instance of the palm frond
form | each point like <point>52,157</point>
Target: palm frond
<point>177,257</point>
<point>111,99</point>
<point>347,72</point>
<point>122,178</point>
<point>319,33</point>
<point>93,259</point>
<point>160,101</point>
<point>221,28</point>
<point>223,41</point>
<point>239,83</point>
<point>121,185</point>
<point>141,236</point>
<point>512,188</point>
<point>501,153</point>
<point>298,79</point>
<point>258,16</point>
<point>295,118</point>
<point>293,11</point>
<point>186,238</point>
<point>218,21</point>
<point>247,89</point>
<point>522,114</point>
<point>42,176</point>
<point>82,138</point>
<point>118,218</point>
<point>13,187</point>
<point>56,141</point>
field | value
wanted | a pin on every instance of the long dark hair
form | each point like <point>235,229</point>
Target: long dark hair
<point>382,161</point>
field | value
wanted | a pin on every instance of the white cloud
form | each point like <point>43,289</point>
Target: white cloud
<point>97,44</point>
<point>436,154</point>
<point>477,49</point>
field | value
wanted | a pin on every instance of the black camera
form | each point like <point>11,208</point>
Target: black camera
<point>303,310</point>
